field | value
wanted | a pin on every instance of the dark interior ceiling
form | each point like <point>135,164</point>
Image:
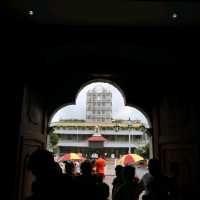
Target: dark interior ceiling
<point>53,51</point>
<point>145,61</point>
<point>112,12</point>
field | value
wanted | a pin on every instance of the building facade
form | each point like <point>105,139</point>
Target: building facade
<point>99,133</point>
<point>86,138</point>
<point>99,105</point>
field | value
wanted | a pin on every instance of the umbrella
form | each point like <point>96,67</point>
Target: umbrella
<point>70,156</point>
<point>129,159</point>
<point>81,156</point>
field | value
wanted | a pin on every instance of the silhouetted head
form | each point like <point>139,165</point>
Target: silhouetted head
<point>42,163</point>
<point>118,170</point>
<point>86,167</point>
<point>101,155</point>
<point>154,167</point>
<point>69,167</point>
<point>128,173</point>
<point>99,179</point>
<point>93,161</point>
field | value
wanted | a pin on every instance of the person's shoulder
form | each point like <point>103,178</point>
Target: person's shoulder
<point>122,186</point>
<point>146,175</point>
<point>105,184</point>
<point>136,179</point>
<point>115,180</point>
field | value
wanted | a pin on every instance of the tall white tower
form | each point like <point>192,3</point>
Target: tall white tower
<point>99,105</point>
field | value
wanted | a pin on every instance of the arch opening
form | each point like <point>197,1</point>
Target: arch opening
<point>100,109</point>
<point>117,92</point>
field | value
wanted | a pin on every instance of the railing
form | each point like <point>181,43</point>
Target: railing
<point>108,144</point>
<point>120,144</point>
<point>103,132</point>
<point>73,143</point>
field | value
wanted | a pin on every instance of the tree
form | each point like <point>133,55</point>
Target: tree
<point>53,139</point>
<point>143,151</point>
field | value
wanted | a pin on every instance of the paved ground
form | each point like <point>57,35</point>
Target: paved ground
<point>110,173</point>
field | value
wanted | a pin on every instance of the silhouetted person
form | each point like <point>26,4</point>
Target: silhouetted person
<point>68,183</point>
<point>87,182</point>
<point>154,183</point>
<point>128,190</point>
<point>47,175</point>
<point>118,180</point>
<point>69,168</point>
<point>93,162</point>
<point>77,168</point>
<point>102,189</point>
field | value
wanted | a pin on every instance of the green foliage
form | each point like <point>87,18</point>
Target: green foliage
<point>53,139</point>
<point>142,128</point>
<point>143,151</point>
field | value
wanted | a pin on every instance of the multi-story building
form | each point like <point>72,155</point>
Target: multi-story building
<point>88,138</point>
<point>99,133</point>
<point>99,105</point>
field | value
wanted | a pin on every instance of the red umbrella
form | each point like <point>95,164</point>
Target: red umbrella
<point>129,159</point>
<point>70,156</point>
<point>82,158</point>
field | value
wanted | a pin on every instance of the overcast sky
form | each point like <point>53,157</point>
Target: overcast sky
<point>119,110</point>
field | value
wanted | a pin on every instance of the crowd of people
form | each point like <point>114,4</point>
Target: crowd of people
<point>152,186</point>
<point>88,183</point>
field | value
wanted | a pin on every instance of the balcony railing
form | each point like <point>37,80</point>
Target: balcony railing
<point>68,143</point>
<point>108,144</point>
<point>103,132</point>
<point>120,144</point>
